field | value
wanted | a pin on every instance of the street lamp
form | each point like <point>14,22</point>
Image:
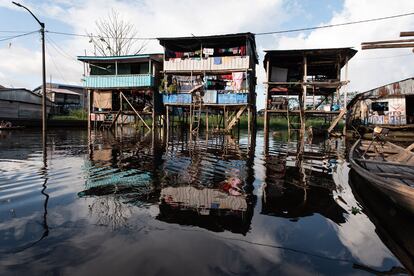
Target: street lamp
<point>42,33</point>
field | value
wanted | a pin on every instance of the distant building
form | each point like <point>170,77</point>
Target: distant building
<point>20,104</point>
<point>391,104</point>
<point>65,97</point>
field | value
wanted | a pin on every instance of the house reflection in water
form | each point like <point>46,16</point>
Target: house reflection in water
<point>300,187</point>
<point>204,182</point>
<point>208,184</point>
<point>212,209</point>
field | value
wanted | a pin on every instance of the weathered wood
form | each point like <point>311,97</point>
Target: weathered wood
<point>234,120</point>
<point>396,175</point>
<point>136,112</point>
<point>336,121</point>
<point>385,163</point>
<point>387,41</point>
<point>403,34</point>
<point>387,46</point>
<point>393,179</point>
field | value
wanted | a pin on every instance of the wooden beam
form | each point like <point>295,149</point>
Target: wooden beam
<point>387,46</point>
<point>402,34</point>
<point>387,41</point>
<point>336,121</point>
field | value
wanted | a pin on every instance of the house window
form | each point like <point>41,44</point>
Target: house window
<point>103,69</point>
<point>379,106</point>
<point>139,68</point>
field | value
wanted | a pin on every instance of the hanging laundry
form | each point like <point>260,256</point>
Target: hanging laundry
<point>235,50</point>
<point>243,50</point>
<point>179,54</point>
<point>238,80</point>
<point>169,53</point>
<point>208,51</point>
<point>226,77</point>
<point>217,60</point>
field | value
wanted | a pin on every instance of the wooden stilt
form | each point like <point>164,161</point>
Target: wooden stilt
<point>207,120</point>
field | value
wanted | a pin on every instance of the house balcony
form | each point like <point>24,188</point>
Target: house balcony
<point>229,63</point>
<point>119,81</point>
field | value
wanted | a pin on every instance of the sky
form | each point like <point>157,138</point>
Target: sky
<point>20,58</point>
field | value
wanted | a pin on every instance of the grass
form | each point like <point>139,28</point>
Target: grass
<point>274,122</point>
<point>76,114</point>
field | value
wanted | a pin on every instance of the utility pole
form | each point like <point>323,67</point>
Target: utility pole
<point>42,35</point>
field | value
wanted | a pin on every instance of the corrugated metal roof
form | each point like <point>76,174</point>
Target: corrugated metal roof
<point>114,58</point>
<point>291,57</point>
<point>61,91</point>
<point>207,37</point>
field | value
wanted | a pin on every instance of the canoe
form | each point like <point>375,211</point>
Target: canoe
<point>387,167</point>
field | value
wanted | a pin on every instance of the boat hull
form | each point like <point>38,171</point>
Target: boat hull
<point>401,195</point>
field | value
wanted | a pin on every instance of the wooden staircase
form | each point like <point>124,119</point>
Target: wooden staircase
<point>233,120</point>
<point>336,121</point>
<point>110,120</point>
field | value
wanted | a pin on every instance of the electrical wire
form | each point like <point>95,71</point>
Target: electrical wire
<point>13,32</point>
<point>97,36</point>
<point>257,34</point>
<point>336,25</point>
<point>55,65</point>
<point>17,36</point>
<point>59,50</point>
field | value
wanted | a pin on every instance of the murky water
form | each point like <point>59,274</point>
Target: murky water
<point>134,204</point>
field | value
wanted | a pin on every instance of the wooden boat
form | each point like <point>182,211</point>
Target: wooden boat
<point>387,167</point>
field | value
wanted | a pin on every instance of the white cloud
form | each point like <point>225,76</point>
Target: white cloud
<point>368,69</point>
<point>159,18</point>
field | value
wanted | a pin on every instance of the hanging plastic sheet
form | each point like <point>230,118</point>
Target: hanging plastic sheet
<point>102,99</point>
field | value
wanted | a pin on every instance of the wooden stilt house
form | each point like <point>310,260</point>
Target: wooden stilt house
<point>122,89</point>
<point>210,75</point>
<point>304,83</point>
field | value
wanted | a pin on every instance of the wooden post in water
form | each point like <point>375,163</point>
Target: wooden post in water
<point>303,100</point>
<point>207,121</point>
<point>88,95</point>
<point>345,93</point>
<point>225,117</point>
<point>249,118</point>
<point>266,115</point>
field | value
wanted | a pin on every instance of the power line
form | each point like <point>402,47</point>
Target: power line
<point>16,36</point>
<point>258,34</point>
<point>56,67</point>
<point>97,36</point>
<point>59,50</point>
<point>13,32</point>
<point>337,25</point>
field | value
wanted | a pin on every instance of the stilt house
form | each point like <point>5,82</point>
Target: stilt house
<point>304,83</point>
<point>210,75</point>
<point>122,89</point>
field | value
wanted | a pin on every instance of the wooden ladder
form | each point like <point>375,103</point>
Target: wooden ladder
<point>196,112</point>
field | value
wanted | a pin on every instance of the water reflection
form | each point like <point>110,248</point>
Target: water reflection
<point>394,227</point>
<point>124,202</point>
<point>299,181</point>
